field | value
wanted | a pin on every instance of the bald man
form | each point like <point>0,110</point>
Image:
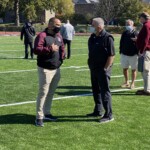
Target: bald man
<point>49,48</point>
<point>101,56</point>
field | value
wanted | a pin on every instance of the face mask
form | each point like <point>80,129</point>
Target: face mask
<point>92,30</point>
<point>56,29</point>
<point>129,28</point>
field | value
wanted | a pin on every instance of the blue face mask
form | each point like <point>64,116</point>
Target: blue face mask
<point>129,28</point>
<point>92,29</point>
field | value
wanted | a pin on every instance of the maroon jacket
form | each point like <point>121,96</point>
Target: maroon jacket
<point>46,58</point>
<point>143,40</point>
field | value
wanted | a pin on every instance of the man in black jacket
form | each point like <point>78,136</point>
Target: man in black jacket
<point>49,48</point>
<point>129,53</point>
<point>28,32</point>
<point>101,56</point>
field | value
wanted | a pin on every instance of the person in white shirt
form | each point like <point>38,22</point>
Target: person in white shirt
<point>67,31</point>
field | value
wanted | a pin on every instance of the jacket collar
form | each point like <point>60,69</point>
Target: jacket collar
<point>102,33</point>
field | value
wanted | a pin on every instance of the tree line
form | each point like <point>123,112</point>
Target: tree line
<point>108,9</point>
<point>31,8</point>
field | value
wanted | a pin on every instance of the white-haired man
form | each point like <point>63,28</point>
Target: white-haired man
<point>129,53</point>
<point>101,56</point>
<point>67,31</point>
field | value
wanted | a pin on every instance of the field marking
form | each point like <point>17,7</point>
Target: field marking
<point>79,54</point>
<point>16,71</point>
<point>66,97</point>
<point>2,51</point>
<point>88,68</point>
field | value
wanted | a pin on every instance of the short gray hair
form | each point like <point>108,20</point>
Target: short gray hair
<point>129,20</point>
<point>99,21</point>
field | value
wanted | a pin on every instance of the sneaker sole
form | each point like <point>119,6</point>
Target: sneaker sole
<point>107,121</point>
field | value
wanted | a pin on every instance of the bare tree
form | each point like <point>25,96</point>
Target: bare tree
<point>108,9</point>
<point>16,9</point>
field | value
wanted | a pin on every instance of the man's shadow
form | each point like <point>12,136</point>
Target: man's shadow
<point>30,119</point>
<point>76,118</point>
<point>17,119</point>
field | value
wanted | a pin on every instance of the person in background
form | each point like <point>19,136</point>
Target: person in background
<point>49,48</point>
<point>28,32</point>
<point>100,60</point>
<point>67,31</point>
<point>129,53</point>
<point>143,44</point>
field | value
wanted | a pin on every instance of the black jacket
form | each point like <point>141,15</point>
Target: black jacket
<point>128,46</point>
<point>28,32</point>
<point>100,48</point>
<point>47,58</point>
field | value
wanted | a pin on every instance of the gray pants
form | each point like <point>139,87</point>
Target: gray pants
<point>48,81</point>
<point>146,71</point>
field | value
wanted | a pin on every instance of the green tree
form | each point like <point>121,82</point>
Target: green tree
<point>30,8</point>
<point>126,9</point>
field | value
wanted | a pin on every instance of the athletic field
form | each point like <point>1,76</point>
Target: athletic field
<point>72,101</point>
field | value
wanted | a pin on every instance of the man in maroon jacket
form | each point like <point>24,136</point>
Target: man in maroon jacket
<point>143,44</point>
<point>49,48</point>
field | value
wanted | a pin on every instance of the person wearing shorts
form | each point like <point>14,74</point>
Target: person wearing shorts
<point>129,54</point>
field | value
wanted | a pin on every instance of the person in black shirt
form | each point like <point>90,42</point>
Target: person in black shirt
<point>129,53</point>
<point>28,32</point>
<point>101,56</point>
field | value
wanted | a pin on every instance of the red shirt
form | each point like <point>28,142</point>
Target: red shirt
<point>143,40</point>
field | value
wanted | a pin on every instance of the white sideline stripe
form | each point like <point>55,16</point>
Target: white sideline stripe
<point>79,54</point>
<point>16,71</point>
<point>88,69</point>
<point>80,70</point>
<point>2,51</point>
<point>67,97</point>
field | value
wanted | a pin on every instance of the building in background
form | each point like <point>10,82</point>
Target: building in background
<point>43,16</point>
<point>83,7</point>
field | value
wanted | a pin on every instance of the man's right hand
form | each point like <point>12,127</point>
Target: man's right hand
<point>54,47</point>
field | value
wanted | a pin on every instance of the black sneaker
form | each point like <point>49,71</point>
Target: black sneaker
<point>39,122</point>
<point>106,119</point>
<point>50,117</point>
<point>94,114</point>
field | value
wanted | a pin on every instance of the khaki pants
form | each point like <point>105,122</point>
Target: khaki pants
<point>146,71</point>
<point>48,81</point>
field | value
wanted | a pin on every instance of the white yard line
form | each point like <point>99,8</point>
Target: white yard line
<point>88,69</point>
<point>79,54</point>
<point>1,51</point>
<point>66,97</point>
<point>16,71</point>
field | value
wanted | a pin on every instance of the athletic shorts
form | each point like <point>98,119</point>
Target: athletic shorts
<point>127,61</point>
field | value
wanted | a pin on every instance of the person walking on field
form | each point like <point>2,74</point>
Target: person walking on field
<point>67,31</point>
<point>28,32</point>
<point>100,60</point>
<point>49,48</point>
<point>129,53</point>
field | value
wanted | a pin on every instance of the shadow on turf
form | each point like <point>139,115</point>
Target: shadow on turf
<point>125,93</point>
<point>73,90</point>
<point>29,119</point>
<point>76,118</point>
<point>17,119</point>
